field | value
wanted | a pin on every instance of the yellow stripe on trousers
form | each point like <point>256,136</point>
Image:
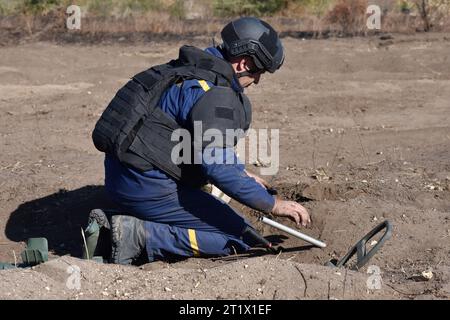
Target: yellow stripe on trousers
<point>204,85</point>
<point>193,241</point>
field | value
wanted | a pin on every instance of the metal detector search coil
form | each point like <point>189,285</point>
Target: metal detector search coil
<point>362,256</point>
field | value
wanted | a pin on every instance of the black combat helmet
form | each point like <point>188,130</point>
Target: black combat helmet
<point>255,38</point>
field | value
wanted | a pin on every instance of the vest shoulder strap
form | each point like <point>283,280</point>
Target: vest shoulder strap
<point>193,63</point>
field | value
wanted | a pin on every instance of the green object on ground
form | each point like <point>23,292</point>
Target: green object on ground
<point>4,266</point>
<point>36,251</point>
<point>91,233</point>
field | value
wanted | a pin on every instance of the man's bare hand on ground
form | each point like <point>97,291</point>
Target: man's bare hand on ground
<point>283,208</point>
<point>293,210</point>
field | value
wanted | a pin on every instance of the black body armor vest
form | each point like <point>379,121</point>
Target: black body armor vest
<point>135,129</point>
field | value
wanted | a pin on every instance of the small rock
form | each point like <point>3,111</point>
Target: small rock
<point>427,274</point>
<point>167,289</point>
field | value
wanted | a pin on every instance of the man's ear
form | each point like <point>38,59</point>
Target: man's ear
<point>242,65</point>
<point>246,63</point>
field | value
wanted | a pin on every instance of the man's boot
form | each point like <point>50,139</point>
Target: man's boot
<point>127,238</point>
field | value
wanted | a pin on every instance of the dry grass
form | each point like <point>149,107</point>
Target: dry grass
<point>400,22</point>
<point>310,18</point>
<point>348,16</point>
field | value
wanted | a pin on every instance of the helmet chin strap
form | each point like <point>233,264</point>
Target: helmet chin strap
<point>250,72</point>
<point>244,74</point>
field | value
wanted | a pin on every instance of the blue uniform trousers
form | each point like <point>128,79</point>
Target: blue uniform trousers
<point>189,222</point>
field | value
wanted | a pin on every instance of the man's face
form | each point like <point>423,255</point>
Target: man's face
<point>254,78</point>
<point>247,64</point>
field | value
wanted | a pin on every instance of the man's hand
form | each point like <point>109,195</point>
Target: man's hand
<point>260,180</point>
<point>282,208</point>
<point>293,210</point>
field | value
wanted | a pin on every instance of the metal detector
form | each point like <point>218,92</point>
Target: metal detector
<point>362,256</point>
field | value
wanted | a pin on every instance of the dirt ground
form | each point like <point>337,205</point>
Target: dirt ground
<point>364,137</point>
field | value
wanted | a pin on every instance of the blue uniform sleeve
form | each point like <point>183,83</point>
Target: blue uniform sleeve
<point>224,170</point>
<point>220,166</point>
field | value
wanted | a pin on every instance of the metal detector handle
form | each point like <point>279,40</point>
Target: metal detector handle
<point>252,233</point>
<point>360,247</point>
<point>293,232</point>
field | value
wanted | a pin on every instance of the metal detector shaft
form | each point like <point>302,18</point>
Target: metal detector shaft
<point>293,232</point>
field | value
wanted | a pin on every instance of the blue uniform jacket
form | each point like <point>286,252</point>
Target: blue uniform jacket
<point>126,184</point>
